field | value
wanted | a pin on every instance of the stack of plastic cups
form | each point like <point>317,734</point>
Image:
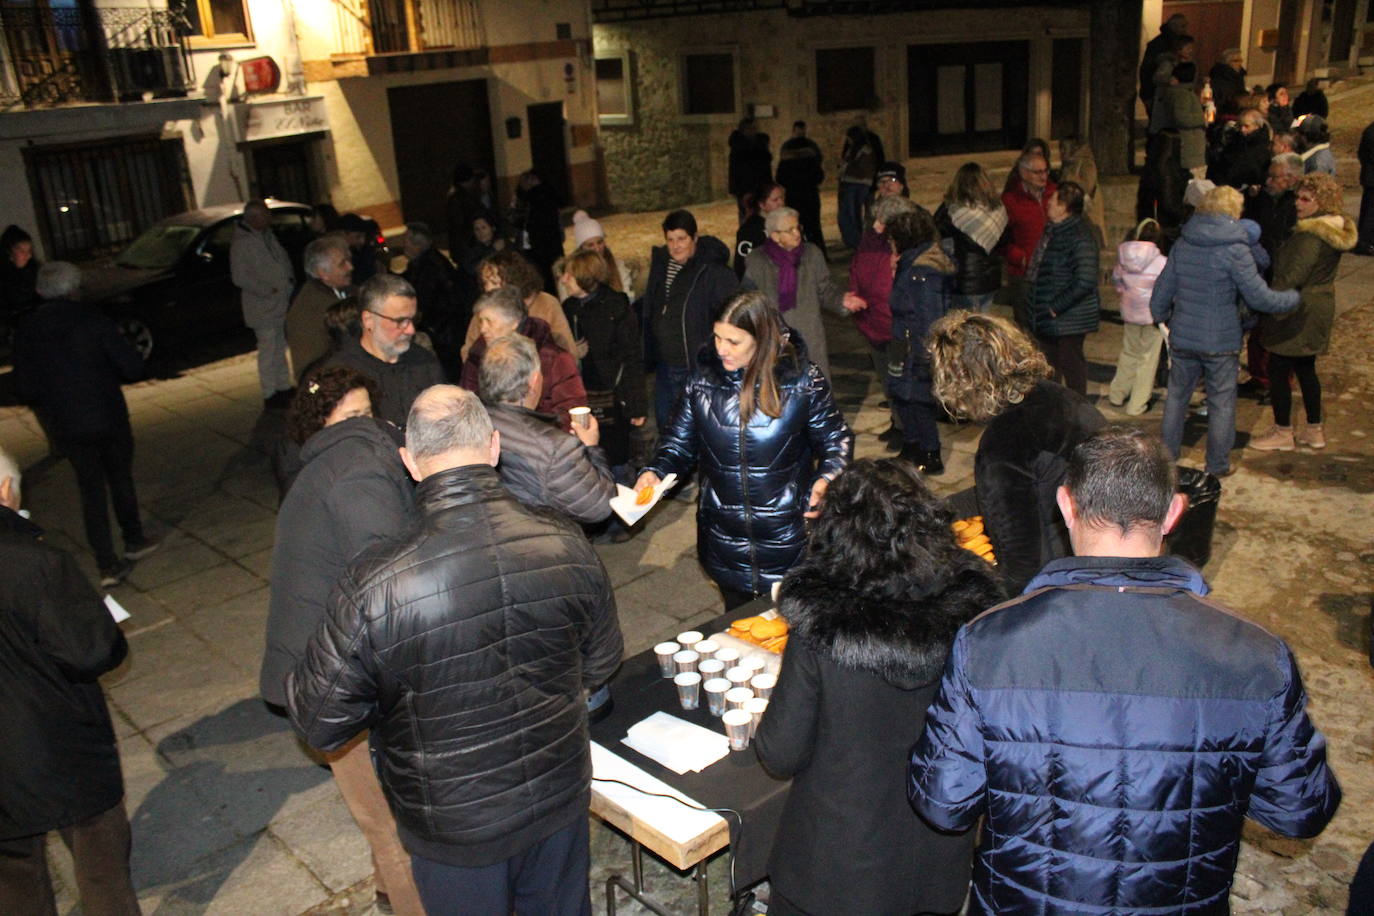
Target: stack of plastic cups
<point>689,638</point>
<point>763,683</point>
<point>739,675</point>
<point>736,697</point>
<point>711,667</point>
<point>707,648</point>
<point>729,656</point>
<point>686,660</point>
<point>755,706</point>
<point>737,724</point>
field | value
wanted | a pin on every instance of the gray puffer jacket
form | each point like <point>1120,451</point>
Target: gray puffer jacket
<point>351,492</point>
<point>543,466</point>
<point>466,648</point>
<point>1208,268</point>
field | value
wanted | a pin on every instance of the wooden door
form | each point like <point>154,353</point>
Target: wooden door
<point>433,128</point>
<point>968,97</point>
<point>549,146</point>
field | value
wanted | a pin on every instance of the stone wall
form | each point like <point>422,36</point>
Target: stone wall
<point>665,159</point>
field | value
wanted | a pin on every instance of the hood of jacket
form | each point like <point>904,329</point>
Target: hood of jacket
<point>374,431</point>
<point>1137,256</point>
<point>930,256</point>
<point>905,638</point>
<point>1120,572</point>
<point>1335,229</point>
<point>1210,230</point>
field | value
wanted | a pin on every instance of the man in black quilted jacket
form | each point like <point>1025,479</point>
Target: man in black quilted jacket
<point>466,647</point>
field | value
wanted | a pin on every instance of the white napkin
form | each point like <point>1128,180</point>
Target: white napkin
<point>678,745</point>
<point>623,502</point>
<point>116,609</point>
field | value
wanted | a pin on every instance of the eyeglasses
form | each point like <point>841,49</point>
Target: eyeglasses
<point>1025,168</point>
<point>405,321</point>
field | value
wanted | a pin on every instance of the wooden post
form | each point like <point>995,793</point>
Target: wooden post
<point>1114,50</point>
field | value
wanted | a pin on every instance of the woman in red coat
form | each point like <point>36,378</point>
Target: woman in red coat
<point>502,312</point>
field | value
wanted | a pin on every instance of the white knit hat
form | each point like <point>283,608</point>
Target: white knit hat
<point>584,228</point>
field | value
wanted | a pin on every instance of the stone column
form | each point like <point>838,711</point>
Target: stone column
<point>1114,50</point>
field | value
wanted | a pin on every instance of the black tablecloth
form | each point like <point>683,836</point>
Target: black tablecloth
<point>738,781</point>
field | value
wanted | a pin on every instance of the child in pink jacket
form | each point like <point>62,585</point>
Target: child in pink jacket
<point>1139,262</point>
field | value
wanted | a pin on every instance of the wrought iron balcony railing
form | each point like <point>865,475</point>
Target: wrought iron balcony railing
<point>109,54</point>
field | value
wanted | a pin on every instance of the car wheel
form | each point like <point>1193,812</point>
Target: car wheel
<point>138,334</point>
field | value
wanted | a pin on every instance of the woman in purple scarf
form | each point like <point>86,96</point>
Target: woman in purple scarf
<point>793,275</point>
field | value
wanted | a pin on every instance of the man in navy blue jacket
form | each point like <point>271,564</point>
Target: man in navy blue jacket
<point>1113,724</point>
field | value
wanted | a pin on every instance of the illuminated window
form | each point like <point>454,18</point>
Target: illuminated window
<point>220,21</point>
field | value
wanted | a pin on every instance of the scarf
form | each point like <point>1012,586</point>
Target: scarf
<point>788,263</point>
<point>985,226</point>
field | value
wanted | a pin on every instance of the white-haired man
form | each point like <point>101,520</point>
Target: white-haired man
<point>329,278</point>
<point>59,757</point>
<point>466,647</point>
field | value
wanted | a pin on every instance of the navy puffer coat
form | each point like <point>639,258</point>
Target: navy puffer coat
<point>757,476</point>
<point>1208,267</point>
<point>1116,728</point>
<point>1063,293</point>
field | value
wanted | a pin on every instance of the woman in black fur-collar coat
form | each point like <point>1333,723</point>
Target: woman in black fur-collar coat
<point>873,608</point>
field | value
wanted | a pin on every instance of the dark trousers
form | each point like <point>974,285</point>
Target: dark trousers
<point>106,466</point>
<point>1366,224</point>
<point>1066,358</point>
<point>548,878</point>
<point>1281,396</point>
<point>100,849</point>
<point>1256,357</point>
<point>669,383</point>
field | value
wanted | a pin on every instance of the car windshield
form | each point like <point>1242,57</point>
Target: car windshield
<point>158,248</point>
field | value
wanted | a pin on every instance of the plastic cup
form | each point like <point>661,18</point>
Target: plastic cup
<point>755,706</point>
<point>582,416</point>
<point>736,697</point>
<point>686,660</point>
<point>688,689</point>
<point>715,694</point>
<point>757,662</point>
<point>729,656</point>
<point>739,675</point>
<point>665,651</point>
<point>763,683</point>
<point>707,647</point>
<point>737,724</point>
<point>689,639</point>
<point>711,667</point>
<point>773,592</point>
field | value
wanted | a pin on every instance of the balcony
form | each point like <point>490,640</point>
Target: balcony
<point>111,54</point>
<point>373,27</point>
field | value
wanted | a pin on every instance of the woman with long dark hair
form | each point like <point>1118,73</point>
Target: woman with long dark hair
<point>873,608</point>
<point>758,418</point>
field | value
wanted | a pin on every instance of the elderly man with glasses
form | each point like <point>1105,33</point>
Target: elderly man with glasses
<point>383,351</point>
<point>1026,202</point>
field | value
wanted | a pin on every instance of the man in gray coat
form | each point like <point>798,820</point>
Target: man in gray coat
<point>261,269</point>
<point>540,464</point>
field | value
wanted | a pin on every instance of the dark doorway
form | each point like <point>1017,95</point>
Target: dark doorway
<point>1342,32</point>
<point>427,150</point>
<point>1286,57</point>
<point>1066,88</point>
<point>548,148</point>
<point>967,98</point>
<point>283,170</point>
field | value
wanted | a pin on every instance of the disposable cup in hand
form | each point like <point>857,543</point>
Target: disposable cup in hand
<point>689,639</point>
<point>707,647</point>
<point>763,684</point>
<point>582,416</point>
<point>664,652</point>
<point>715,694</point>
<point>755,706</point>
<point>756,662</point>
<point>737,723</point>
<point>729,656</point>
<point>686,660</point>
<point>688,689</point>
<point>736,697</point>
<point>711,667</point>
<point>739,675</point>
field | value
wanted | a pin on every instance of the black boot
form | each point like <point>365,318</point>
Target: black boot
<point>892,436</point>
<point>927,462</point>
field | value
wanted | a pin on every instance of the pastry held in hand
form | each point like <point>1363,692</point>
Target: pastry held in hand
<point>626,501</point>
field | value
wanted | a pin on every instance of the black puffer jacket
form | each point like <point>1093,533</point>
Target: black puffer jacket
<point>859,672</point>
<point>978,272</point>
<point>615,349</point>
<point>543,466</point>
<point>56,639</point>
<point>1020,463</point>
<point>351,492</point>
<point>466,648</point>
<point>756,477</point>
<point>677,319</point>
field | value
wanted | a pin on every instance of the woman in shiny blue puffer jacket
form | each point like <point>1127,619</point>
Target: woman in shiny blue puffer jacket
<point>760,475</point>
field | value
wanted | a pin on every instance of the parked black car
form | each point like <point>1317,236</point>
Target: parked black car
<point>172,285</point>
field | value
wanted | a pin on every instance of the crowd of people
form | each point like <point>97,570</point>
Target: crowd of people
<point>440,621</point>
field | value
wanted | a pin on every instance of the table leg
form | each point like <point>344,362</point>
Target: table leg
<point>636,889</point>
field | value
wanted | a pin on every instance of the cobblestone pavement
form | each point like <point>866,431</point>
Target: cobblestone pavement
<point>230,818</point>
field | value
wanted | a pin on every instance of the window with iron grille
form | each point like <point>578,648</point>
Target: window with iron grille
<point>94,197</point>
<point>844,79</point>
